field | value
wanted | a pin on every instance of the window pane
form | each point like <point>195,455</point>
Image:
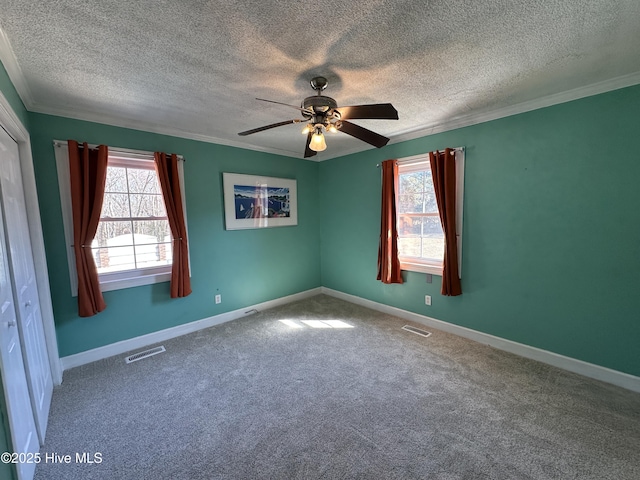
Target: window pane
<point>408,225</point>
<point>115,205</point>
<point>126,239</point>
<point>113,259</point>
<point>151,255</point>
<point>432,227</point>
<point>420,236</point>
<point>116,180</point>
<point>409,246</point>
<point>410,203</point>
<point>433,238</point>
<point>100,256</point>
<point>166,251</point>
<point>113,233</point>
<point>431,205</point>
<point>124,244</point>
<point>433,248</point>
<point>151,231</point>
<point>143,181</point>
<point>144,205</point>
<point>412,182</point>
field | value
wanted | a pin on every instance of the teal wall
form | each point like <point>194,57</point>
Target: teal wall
<point>244,266</point>
<point>551,237</point>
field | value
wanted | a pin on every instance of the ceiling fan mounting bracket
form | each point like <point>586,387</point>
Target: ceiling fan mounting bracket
<point>319,84</point>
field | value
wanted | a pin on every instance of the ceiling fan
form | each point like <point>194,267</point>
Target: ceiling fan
<point>322,114</point>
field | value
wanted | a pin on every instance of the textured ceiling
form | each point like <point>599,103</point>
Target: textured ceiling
<point>193,68</point>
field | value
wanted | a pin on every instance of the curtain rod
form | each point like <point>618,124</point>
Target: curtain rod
<point>457,149</point>
<point>127,151</point>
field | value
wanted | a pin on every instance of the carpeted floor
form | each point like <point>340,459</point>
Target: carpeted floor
<point>259,398</point>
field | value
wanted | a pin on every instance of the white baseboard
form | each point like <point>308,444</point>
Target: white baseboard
<point>119,348</point>
<point>591,370</point>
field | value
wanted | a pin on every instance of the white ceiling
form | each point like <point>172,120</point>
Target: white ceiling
<point>193,68</point>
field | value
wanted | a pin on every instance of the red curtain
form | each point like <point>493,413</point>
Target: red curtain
<point>88,171</point>
<point>388,263</point>
<point>167,168</point>
<point>443,169</point>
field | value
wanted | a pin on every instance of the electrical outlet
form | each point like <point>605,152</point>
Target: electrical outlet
<point>218,298</point>
<point>427,299</point>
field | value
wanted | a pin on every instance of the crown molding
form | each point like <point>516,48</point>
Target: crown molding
<point>435,128</point>
<point>14,71</point>
<point>438,127</point>
<point>350,151</point>
<point>536,104</point>
<point>10,62</point>
<point>152,128</point>
<point>523,107</point>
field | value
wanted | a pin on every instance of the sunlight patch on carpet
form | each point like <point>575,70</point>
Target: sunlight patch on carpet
<point>316,323</point>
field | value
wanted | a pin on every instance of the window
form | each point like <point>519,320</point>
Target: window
<point>133,243</point>
<point>420,235</point>
<point>133,232</point>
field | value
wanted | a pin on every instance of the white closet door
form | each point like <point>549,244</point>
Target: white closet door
<point>25,290</point>
<point>24,435</point>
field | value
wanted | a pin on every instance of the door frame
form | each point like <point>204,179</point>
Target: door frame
<point>12,124</point>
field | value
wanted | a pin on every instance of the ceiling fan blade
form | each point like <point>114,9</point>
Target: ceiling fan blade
<point>267,127</point>
<point>307,151</point>
<point>300,109</point>
<point>363,134</point>
<point>382,111</point>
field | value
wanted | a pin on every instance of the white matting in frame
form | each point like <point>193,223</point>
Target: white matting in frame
<point>251,201</point>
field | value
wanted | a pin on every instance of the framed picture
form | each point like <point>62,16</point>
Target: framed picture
<point>251,201</point>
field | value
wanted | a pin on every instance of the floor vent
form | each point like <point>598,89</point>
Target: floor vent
<point>147,353</point>
<point>417,331</point>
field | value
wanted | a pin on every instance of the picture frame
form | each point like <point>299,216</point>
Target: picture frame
<point>252,201</point>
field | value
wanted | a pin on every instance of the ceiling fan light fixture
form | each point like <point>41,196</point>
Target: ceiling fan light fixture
<point>307,128</point>
<point>317,143</point>
<point>332,128</point>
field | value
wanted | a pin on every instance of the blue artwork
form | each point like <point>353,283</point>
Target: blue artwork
<point>261,202</point>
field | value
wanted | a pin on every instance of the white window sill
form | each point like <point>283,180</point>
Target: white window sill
<point>131,278</point>
<point>137,281</point>
<point>421,267</point>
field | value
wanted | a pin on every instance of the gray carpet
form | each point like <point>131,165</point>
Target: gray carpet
<point>256,398</point>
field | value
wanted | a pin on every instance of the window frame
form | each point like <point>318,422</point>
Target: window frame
<point>111,280</point>
<point>416,163</point>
